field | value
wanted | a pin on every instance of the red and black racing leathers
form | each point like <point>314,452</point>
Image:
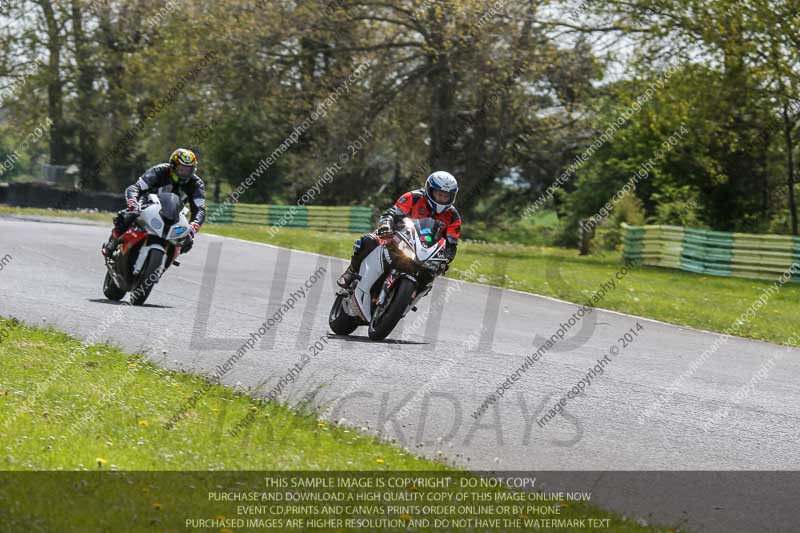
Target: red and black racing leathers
<point>413,205</point>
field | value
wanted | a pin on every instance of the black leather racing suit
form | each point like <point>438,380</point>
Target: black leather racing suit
<point>159,179</point>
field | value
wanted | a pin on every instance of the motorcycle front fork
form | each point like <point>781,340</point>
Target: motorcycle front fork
<point>391,279</point>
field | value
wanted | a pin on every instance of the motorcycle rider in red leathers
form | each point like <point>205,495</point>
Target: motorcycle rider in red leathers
<point>435,200</point>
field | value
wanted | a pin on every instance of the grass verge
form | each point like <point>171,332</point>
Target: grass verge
<point>67,406</point>
<point>108,410</point>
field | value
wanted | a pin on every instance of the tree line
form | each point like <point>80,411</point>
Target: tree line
<point>507,95</point>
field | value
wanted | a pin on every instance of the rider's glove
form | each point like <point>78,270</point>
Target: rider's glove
<point>133,206</point>
<point>186,245</point>
<point>194,227</point>
<point>385,230</point>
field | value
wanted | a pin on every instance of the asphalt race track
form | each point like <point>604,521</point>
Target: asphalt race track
<point>422,386</point>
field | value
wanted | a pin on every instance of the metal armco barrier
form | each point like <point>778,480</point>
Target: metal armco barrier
<point>344,218</point>
<point>718,253</point>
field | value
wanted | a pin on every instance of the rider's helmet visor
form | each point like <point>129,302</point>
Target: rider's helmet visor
<point>184,172</point>
<point>442,197</point>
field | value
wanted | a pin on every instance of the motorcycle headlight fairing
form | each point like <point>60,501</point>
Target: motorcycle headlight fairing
<point>406,250</point>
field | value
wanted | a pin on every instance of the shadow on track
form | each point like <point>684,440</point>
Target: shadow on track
<point>115,302</point>
<point>356,338</point>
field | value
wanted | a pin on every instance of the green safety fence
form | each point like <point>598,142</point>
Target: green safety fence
<point>718,253</point>
<point>342,218</point>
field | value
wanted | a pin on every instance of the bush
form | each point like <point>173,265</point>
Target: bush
<point>677,207</point>
<point>781,223</point>
<point>608,237</point>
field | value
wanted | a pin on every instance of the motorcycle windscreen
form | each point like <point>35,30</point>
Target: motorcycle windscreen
<point>429,230</point>
<point>171,207</point>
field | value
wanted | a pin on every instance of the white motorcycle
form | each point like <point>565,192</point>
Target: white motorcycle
<point>147,249</point>
<point>391,280</point>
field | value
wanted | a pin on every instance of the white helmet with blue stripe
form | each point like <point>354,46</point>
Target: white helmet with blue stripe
<point>444,182</point>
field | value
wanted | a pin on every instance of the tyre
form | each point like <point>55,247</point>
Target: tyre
<point>384,320</point>
<point>110,289</point>
<point>340,322</point>
<point>148,277</point>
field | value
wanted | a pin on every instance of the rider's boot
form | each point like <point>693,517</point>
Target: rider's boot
<point>361,248</point>
<point>108,248</point>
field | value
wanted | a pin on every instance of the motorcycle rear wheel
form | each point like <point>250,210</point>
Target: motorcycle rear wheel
<point>340,322</point>
<point>383,323</point>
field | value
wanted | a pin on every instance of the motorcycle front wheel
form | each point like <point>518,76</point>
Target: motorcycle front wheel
<point>386,317</point>
<point>110,289</point>
<point>148,277</point>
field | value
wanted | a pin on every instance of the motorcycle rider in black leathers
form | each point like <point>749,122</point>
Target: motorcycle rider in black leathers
<point>178,176</point>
